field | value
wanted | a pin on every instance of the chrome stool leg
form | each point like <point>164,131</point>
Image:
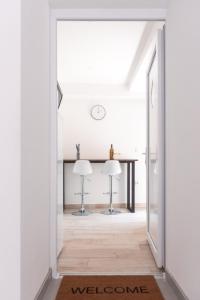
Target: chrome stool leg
<point>111,210</point>
<point>82,211</point>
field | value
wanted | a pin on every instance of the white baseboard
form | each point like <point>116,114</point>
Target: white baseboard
<point>95,206</point>
<point>140,205</point>
<point>102,206</point>
<point>44,286</point>
<point>175,286</point>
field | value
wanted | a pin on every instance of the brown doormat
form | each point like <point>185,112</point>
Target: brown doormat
<point>109,287</point>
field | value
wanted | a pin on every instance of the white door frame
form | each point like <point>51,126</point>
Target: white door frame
<point>77,15</point>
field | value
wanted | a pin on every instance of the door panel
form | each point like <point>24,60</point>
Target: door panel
<point>59,186</point>
<point>155,151</point>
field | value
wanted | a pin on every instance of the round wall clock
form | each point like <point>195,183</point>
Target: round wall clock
<point>98,112</point>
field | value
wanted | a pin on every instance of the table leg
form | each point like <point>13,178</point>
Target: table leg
<point>128,186</point>
<point>133,188</point>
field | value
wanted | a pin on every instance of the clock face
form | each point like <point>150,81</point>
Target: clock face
<point>98,112</point>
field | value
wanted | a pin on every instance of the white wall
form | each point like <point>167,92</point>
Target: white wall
<point>35,146</point>
<point>124,126</point>
<point>10,150</point>
<point>183,145</point>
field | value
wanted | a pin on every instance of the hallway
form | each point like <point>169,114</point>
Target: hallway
<point>28,130</point>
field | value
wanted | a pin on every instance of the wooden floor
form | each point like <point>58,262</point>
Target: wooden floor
<point>106,244</point>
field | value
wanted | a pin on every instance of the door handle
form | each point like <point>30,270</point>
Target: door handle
<point>153,157</point>
<point>144,153</point>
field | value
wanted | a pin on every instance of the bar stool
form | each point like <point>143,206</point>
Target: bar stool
<point>83,168</point>
<point>111,168</point>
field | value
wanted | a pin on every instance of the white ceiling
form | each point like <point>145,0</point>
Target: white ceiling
<point>97,52</point>
<point>108,4</point>
<point>105,58</point>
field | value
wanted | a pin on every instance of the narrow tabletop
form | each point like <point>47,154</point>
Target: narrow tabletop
<point>125,160</point>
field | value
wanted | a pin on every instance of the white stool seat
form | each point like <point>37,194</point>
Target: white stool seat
<point>111,167</point>
<point>82,167</point>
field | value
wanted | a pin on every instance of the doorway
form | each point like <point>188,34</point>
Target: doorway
<point>130,218</point>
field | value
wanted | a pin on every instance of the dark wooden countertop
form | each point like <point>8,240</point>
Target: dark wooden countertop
<point>125,160</point>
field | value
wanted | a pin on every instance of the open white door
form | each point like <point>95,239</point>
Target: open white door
<point>155,151</point>
<point>59,185</point>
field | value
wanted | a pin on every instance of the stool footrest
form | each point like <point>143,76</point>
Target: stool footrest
<point>108,193</point>
<point>81,194</point>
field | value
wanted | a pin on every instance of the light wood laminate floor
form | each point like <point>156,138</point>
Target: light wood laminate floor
<point>106,244</point>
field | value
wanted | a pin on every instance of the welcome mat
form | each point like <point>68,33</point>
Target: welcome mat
<point>109,287</point>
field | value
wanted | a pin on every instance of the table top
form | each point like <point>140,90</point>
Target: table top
<point>124,160</point>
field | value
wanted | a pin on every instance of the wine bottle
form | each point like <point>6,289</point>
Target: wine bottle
<point>111,152</point>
